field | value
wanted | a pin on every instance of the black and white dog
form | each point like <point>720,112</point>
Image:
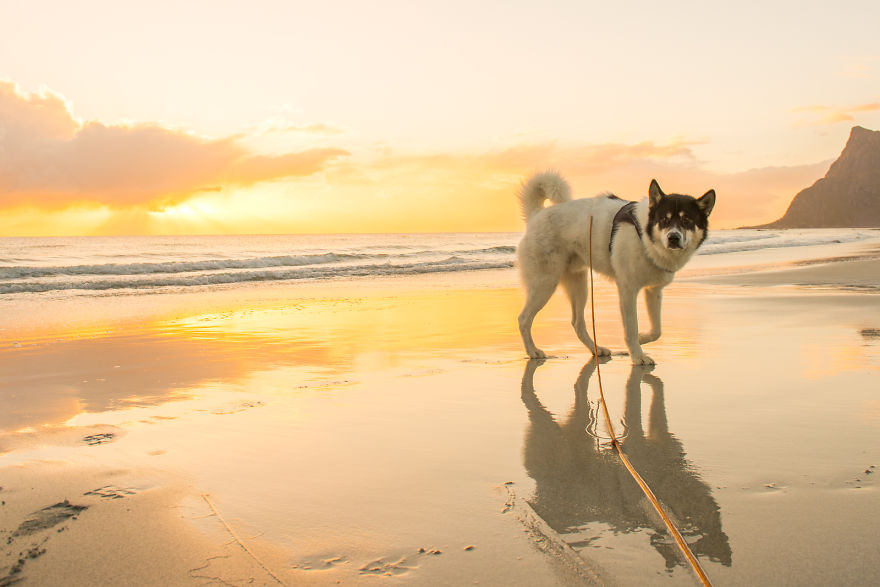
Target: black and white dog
<point>639,245</point>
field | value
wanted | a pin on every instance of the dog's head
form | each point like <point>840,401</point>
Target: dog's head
<point>678,222</point>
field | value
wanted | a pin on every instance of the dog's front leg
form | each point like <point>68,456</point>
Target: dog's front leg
<point>653,299</point>
<point>628,313</point>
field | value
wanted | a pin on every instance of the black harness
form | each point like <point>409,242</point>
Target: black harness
<point>626,215</point>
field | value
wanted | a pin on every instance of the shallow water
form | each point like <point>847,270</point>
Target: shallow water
<point>100,266</point>
<point>362,425</point>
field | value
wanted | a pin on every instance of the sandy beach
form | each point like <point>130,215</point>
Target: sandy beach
<point>391,430</point>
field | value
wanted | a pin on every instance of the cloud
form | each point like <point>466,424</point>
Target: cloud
<point>47,157</point>
<point>476,191</point>
<point>513,161</point>
<point>860,67</point>
<point>64,176</point>
<point>283,124</point>
<point>386,192</point>
<point>317,128</point>
<point>823,115</point>
<point>256,168</point>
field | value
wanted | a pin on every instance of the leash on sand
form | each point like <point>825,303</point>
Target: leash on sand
<point>685,549</point>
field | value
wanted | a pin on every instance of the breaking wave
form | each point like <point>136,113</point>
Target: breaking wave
<point>120,264</point>
<point>739,241</point>
<point>207,272</point>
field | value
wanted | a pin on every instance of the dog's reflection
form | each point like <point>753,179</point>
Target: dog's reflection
<point>579,482</point>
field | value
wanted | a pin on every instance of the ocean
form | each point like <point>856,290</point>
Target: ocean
<point>100,266</point>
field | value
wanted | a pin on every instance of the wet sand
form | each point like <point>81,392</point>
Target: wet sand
<point>391,430</point>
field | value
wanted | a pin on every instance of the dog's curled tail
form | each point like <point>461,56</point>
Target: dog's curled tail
<point>548,185</point>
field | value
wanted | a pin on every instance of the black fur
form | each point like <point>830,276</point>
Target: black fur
<point>626,215</point>
<point>674,204</point>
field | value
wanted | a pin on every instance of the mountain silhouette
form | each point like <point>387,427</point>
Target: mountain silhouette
<point>849,194</point>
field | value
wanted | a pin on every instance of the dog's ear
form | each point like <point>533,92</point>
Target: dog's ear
<point>655,194</point>
<point>707,202</point>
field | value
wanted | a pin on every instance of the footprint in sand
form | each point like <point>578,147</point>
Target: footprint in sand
<point>48,517</point>
<point>380,567</point>
<point>404,565</point>
<point>14,574</point>
<point>40,520</point>
<point>332,562</point>
<point>111,492</point>
<point>322,565</point>
<point>237,408</point>
<point>102,438</point>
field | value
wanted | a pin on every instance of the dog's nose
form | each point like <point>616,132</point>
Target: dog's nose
<point>674,240</point>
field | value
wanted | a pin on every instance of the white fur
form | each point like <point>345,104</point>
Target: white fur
<point>542,186</point>
<point>554,250</point>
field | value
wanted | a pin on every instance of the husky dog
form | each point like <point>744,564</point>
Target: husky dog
<point>638,245</point>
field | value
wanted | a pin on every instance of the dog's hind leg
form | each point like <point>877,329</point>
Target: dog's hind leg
<point>538,292</point>
<point>653,300</point>
<point>575,284</point>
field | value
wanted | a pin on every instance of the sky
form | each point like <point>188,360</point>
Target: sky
<point>269,117</point>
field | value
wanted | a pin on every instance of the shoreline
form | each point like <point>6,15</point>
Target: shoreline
<point>340,432</point>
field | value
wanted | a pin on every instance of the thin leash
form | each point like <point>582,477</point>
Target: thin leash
<point>685,549</point>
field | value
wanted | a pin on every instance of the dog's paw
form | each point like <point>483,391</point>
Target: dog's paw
<point>537,354</point>
<point>643,360</point>
<point>603,351</point>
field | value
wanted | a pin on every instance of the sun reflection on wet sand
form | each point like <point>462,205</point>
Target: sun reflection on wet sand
<point>585,494</point>
<point>99,368</point>
<point>363,427</point>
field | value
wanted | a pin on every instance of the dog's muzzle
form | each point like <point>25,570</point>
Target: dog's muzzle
<point>674,240</point>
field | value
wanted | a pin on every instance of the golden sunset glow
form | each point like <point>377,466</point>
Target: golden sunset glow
<point>415,123</point>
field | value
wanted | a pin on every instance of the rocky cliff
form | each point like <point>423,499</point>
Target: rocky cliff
<point>848,195</point>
